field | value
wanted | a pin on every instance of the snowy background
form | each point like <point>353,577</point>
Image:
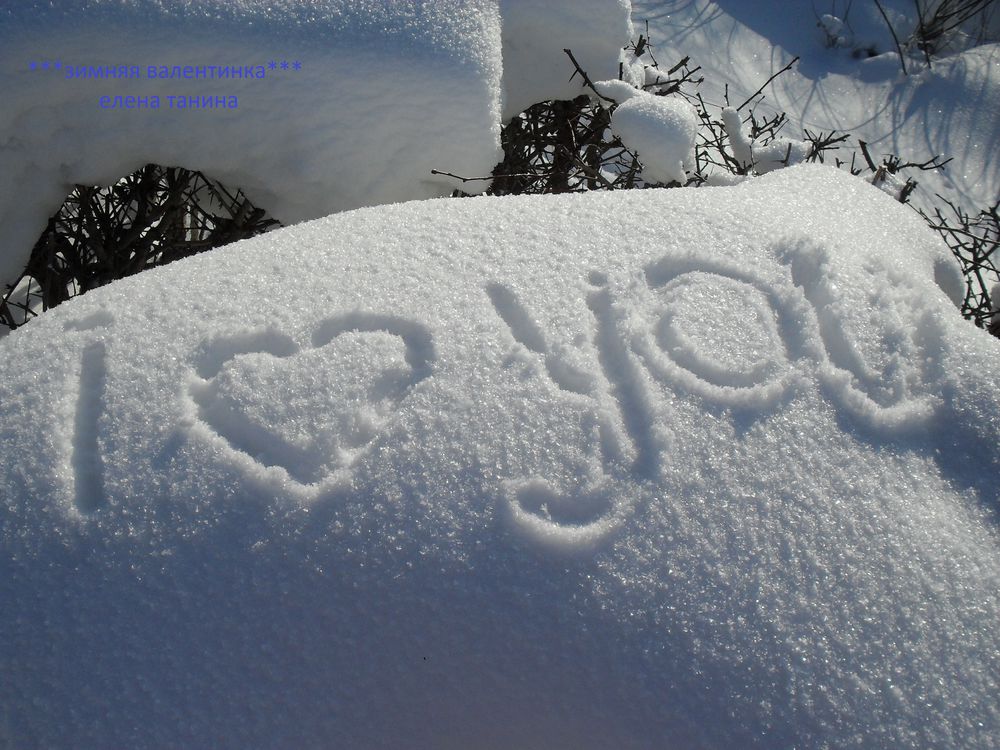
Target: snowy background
<point>951,108</point>
<point>662,468</point>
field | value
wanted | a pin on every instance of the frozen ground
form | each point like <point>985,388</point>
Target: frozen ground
<point>706,468</point>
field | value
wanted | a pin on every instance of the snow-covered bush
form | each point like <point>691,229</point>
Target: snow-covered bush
<point>974,239</point>
<point>535,33</point>
<point>334,105</point>
<point>944,25</point>
<point>652,129</point>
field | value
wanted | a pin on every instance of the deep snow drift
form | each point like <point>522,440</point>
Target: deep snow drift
<point>653,469</point>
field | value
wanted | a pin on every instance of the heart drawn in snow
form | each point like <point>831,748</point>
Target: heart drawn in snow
<point>311,412</point>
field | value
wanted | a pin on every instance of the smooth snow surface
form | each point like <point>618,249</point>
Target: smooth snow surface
<point>654,469</point>
<point>387,91</point>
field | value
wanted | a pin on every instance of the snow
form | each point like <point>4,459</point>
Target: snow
<point>951,109</point>
<point>386,93</point>
<point>535,33</point>
<point>692,468</point>
<point>661,130</point>
<point>762,158</point>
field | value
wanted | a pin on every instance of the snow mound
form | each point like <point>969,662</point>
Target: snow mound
<point>704,468</point>
<point>661,130</point>
<point>363,100</point>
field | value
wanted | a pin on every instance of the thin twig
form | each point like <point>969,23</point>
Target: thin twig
<point>754,95</point>
<point>473,179</point>
<point>899,48</point>
<point>586,78</point>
